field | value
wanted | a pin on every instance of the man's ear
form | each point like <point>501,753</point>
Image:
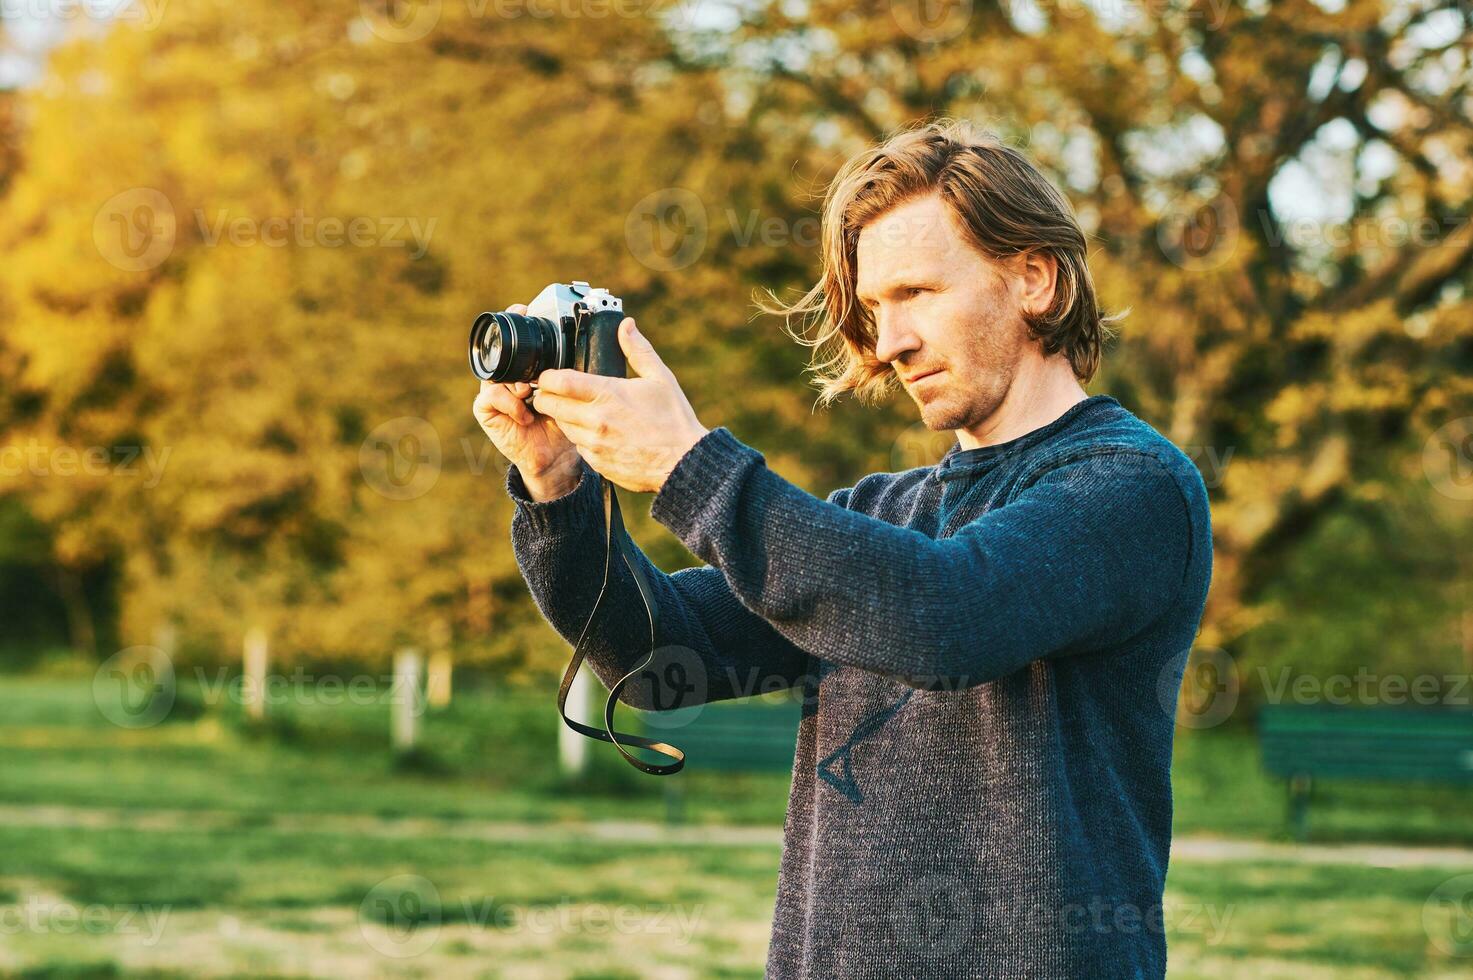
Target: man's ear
<point>1038,276</point>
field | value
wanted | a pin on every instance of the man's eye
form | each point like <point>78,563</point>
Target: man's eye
<point>915,291</point>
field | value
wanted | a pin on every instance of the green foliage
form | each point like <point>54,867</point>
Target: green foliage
<point>1378,590</point>
<point>188,297</point>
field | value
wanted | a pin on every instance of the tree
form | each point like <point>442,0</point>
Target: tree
<point>229,389</point>
<point>193,293</point>
<point>1291,355</point>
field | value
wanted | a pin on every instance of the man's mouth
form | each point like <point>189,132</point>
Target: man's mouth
<point>923,375</point>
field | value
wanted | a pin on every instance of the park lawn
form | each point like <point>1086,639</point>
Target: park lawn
<point>1272,920</point>
<point>255,901</point>
<point>233,892</point>
<point>490,756</point>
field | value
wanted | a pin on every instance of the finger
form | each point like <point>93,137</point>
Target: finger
<point>578,385</point>
<point>581,436</point>
<point>486,410</point>
<point>504,401</point>
<point>517,308</point>
<point>483,397</point>
<point>639,352</point>
<point>519,388</point>
<point>567,411</point>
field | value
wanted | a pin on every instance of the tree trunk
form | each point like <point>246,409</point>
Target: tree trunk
<point>81,629</point>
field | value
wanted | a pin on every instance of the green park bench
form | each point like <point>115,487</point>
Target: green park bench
<point>1304,743</point>
<point>750,735</point>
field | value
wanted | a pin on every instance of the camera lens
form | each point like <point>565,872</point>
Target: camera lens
<point>511,347</point>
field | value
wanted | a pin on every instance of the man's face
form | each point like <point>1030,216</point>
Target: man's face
<point>948,318</point>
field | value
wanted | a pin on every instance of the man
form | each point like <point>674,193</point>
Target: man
<point>988,649</point>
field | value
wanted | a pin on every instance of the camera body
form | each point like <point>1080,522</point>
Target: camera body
<point>568,325</point>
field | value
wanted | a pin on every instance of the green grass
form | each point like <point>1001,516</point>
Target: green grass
<point>1271,920</point>
<point>256,901</point>
<point>242,893</point>
<point>260,902</point>
<point>486,757</point>
<point>490,756</point>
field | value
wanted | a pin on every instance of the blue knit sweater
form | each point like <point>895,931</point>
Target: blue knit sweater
<point>988,651</point>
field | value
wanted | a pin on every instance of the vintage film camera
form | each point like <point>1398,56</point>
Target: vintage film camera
<point>568,325</point>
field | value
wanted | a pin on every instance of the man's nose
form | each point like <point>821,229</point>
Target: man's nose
<point>893,336</point>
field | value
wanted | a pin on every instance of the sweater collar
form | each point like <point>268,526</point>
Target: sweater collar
<point>958,461</point>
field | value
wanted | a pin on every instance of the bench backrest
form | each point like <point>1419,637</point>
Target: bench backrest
<point>1433,744</point>
<point>738,736</point>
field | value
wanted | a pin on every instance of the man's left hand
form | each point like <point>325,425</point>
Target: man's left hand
<point>632,431</point>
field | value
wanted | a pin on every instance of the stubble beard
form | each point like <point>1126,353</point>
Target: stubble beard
<point>979,381</point>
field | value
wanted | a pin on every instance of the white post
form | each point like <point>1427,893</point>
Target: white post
<point>405,700</point>
<point>253,681</point>
<point>572,748</point>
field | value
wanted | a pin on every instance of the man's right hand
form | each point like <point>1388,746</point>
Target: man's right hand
<point>549,464</point>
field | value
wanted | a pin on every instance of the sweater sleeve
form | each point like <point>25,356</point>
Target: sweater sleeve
<point>1089,554</point>
<point>709,646</point>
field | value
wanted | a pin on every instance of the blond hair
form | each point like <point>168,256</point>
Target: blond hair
<point>1005,206</point>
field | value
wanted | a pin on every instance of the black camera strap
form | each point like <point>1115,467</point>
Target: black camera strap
<point>614,523</point>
